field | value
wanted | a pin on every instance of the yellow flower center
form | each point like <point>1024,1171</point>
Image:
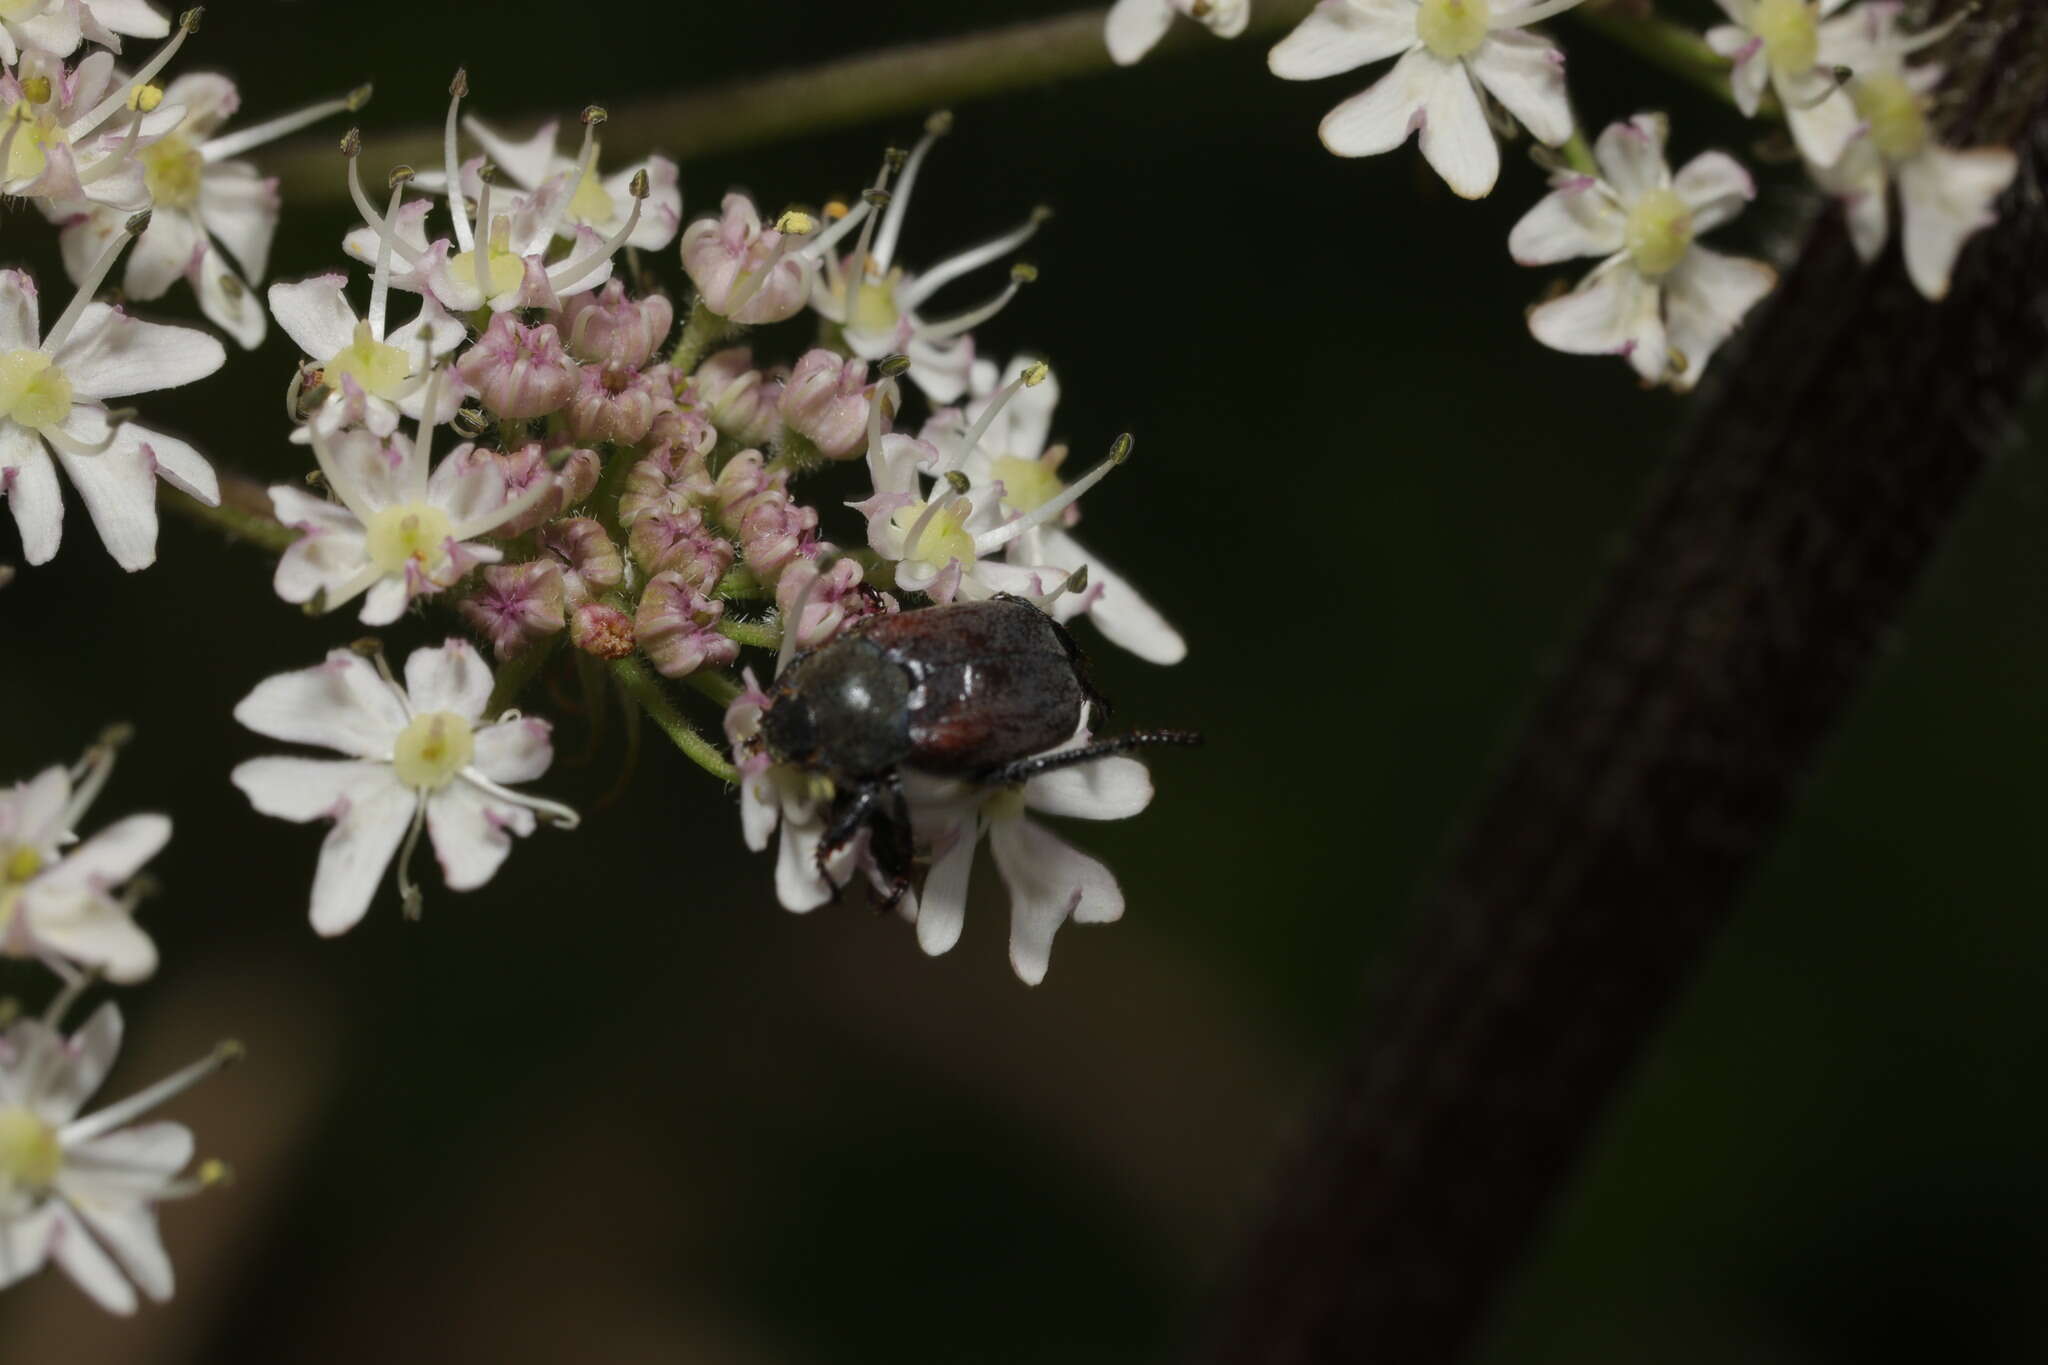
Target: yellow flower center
<point>1791,34</point>
<point>381,371</point>
<point>37,130</point>
<point>943,539</point>
<point>432,750</point>
<point>410,532</point>
<point>592,203</point>
<point>171,168</point>
<point>33,391</point>
<point>874,304</point>
<point>30,1155</point>
<point>1027,484</point>
<point>506,267</point>
<point>1659,232</point>
<point>1451,29</point>
<point>20,9</point>
<point>20,866</point>
<point>1897,117</point>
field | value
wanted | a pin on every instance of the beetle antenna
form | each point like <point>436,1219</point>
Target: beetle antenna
<point>1026,768</point>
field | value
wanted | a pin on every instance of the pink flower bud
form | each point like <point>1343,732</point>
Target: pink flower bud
<point>827,399</point>
<point>664,542</point>
<point>678,627</point>
<point>516,605</point>
<point>600,630</point>
<point>744,478</point>
<point>740,400</point>
<point>773,531</point>
<point>591,565</point>
<point>670,479</point>
<point>837,597</point>
<point>573,474</point>
<point>518,371</point>
<point>607,328</point>
<point>612,404</point>
<point>740,268</point>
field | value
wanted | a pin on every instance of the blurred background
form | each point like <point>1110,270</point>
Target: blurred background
<point>619,1106</point>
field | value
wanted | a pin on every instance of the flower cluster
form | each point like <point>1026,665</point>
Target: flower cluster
<point>1843,75</point>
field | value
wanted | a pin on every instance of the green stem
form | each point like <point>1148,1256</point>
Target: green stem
<point>760,634</point>
<point>1674,47</point>
<point>913,78</point>
<point>519,670</point>
<point>1579,155</point>
<point>244,513</point>
<point>739,583</point>
<point>720,687</point>
<point>704,330</point>
<point>646,691</point>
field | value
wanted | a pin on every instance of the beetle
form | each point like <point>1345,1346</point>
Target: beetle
<point>984,692</point>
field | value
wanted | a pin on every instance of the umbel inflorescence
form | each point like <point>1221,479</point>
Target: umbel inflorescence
<point>540,410</point>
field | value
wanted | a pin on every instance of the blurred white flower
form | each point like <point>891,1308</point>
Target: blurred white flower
<point>1449,50</point>
<point>57,27</point>
<point>82,1190</point>
<point>420,755</point>
<point>68,903</point>
<point>1134,27</point>
<point>1659,299</point>
<point>1777,43</point>
<point>70,135</point>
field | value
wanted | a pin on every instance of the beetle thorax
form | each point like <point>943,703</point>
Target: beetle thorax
<point>842,711</point>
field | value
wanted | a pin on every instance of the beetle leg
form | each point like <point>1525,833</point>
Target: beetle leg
<point>852,808</point>
<point>1011,773</point>
<point>892,846</point>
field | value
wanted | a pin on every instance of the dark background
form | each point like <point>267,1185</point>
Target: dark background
<point>618,1106</point>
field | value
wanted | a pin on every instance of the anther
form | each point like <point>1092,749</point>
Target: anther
<point>958,482</point>
<point>594,115</point>
<point>37,90</point>
<point>1024,273</point>
<point>796,223</point>
<point>359,97</point>
<point>458,88</point>
<point>939,123</point>
<point>189,20</point>
<point>146,98</point>
<point>137,224</point>
<point>638,185</point>
<point>400,175</point>
<point>1035,373</point>
<point>352,143</point>
<point>893,366</point>
<point>1120,448</point>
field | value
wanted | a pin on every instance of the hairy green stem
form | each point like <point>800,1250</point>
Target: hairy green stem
<point>1674,47</point>
<point>519,670</point>
<point>720,687</point>
<point>704,330</point>
<point>760,634</point>
<point>647,693</point>
<point>244,513</point>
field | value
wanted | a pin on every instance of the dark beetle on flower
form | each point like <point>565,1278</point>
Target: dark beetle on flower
<point>983,692</point>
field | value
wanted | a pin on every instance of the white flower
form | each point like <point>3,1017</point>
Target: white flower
<point>1005,455</point>
<point>1049,880</point>
<point>418,755</point>
<point>57,138</point>
<point>1448,49</point>
<point>83,1190</point>
<point>779,794</point>
<point>1658,299</point>
<point>398,531</point>
<point>1777,43</point>
<point>501,262</point>
<point>56,27</point>
<point>61,900</point>
<point>1946,195</point>
<point>51,393</point>
<point>199,197</point>
<point>600,205</point>
<point>875,301</point>
<point>372,377</point>
<point>1135,26</point>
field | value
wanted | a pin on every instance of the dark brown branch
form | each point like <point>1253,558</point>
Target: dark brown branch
<point>1758,591</point>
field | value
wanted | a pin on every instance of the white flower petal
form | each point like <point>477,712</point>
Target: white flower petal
<point>942,909</point>
<point>798,884</point>
<point>1631,156</point>
<point>472,833</point>
<point>19,329</point>
<point>161,255</point>
<point>111,856</point>
<point>111,355</point>
<point>386,601</point>
<point>1821,116</point>
<point>760,808</point>
<point>527,163</point>
<point>1049,880</point>
<point>88,1055</point>
<point>1705,300</point>
<point>25,1243</point>
<point>28,476</point>
<point>1715,186</point>
<point>303,789</point>
<point>240,208</point>
<point>135,18</point>
<point>1339,35</point>
<point>1613,312</point>
<point>118,487</point>
<point>514,751</point>
<point>1133,27</point>
<point>90,928</point>
<point>32,812</point>
<point>175,462</point>
<point>1114,788</point>
<point>1381,118</point>
<point>129,1230</point>
<point>449,677</point>
<point>1456,138</point>
<point>227,302</point>
<point>1578,219</point>
<point>1526,74</point>
<point>1945,198</point>
<point>1119,610</point>
<point>315,314</point>
<point>341,704</point>
<point>356,852</point>
<point>83,1259</point>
